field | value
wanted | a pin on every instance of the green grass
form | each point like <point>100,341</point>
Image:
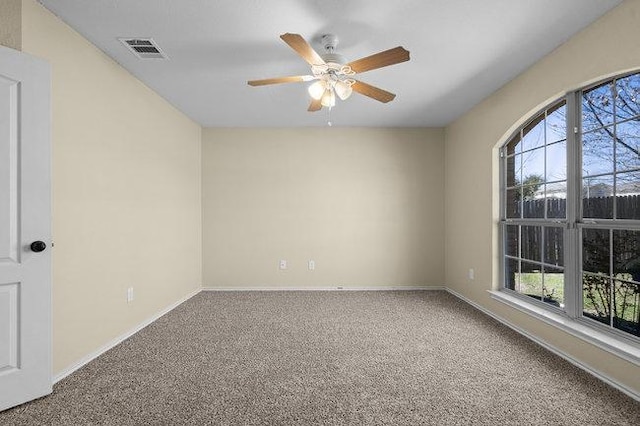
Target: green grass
<point>531,283</point>
<point>596,298</point>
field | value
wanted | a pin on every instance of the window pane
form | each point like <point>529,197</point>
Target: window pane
<point>628,195</point>
<point>557,123</point>
<point>553,288</point>
<point>626,306</point>
<point>533,194</point>
<point>626,255</point>
<point>531,248</point>
<point>512,275</point>
<point>533,208</point>
<point>597,197</point>
<point>513,202</point>
<point>511,240</point>
<point>596,297</point>
<point>628,146</point>
<point>557,161</point>
<point>554,245</point>
<point>628,99</point>
<point>533,134</point>
<point>531,279</point>
<point>533,166</point>
<point>597,107</point>
<point>514,169</point>
<point>597,152</point>
<point>595,250</point>
<point>557,200</point>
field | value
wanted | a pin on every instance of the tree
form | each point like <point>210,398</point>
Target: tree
<point>616,295</point>
<point>601,106</point>
<point>530,186</point>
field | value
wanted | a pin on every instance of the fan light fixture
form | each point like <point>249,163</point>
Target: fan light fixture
<point>328,98</point>
<point>317,89</point>
<point>326,91</point>
<point>343,89</point>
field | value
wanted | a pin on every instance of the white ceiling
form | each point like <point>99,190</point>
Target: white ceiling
<point>461,51</point>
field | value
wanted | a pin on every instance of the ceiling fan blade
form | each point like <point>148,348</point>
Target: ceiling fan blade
<point>292,79</point>
<point>381,59</point>
<point>315,105</point>
<point>373,92</point>
<point>303,48</point>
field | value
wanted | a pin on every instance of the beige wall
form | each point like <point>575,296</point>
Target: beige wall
<point>126,193</point>
<point>11,23</point>
<point>365,204</point>
<point>609,46</point>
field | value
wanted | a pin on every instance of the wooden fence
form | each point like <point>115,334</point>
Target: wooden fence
<point>533,240</point>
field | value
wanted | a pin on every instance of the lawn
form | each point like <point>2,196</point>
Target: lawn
<point>531,284</point>
<point>596,293</point>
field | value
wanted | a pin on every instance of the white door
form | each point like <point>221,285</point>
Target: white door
<point>25,218</point>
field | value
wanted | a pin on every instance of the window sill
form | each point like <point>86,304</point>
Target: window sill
<point>626,350</point>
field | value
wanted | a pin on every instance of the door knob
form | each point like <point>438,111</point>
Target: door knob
<point>38,246</point>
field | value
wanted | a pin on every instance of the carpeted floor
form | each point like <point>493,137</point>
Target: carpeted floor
<point>328,358</point>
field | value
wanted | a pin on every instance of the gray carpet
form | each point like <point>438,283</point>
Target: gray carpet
<point>329,358</point>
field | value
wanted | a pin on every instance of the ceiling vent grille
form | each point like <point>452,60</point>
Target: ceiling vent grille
<point>143,48</point>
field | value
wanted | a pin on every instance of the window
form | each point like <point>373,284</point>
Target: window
<point>535,207</point>
<point>570,207</point>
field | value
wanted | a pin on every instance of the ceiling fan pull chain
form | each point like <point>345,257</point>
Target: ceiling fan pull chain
<point>329,123</point>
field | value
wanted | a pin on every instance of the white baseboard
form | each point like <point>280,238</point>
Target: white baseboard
<point>90,357</point>
<point>596,373</point>
<point>335,288</point>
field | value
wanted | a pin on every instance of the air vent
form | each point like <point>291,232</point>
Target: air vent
<point>143,48</point>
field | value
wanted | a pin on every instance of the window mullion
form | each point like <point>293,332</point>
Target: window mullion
<point>503,214</point>
<point>572,280</point>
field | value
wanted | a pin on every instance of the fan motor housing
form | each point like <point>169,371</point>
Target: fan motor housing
<point>335,58</point>
<point>330,43</point>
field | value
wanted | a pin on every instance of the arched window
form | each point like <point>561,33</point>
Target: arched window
<point>570,206</point>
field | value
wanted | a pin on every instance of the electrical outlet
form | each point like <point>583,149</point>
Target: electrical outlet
<point>130,294</point>
<point>312,265</point>
<point>283,264</point>
<point>472,274</point>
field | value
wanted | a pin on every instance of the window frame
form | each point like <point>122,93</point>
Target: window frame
<point>574,223</point>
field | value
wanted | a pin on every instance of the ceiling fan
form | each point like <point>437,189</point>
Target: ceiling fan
<point>333,75</point>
